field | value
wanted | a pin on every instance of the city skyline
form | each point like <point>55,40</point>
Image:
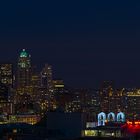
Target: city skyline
<point>85,42</point>
<point>69,70</point>
<point>39,66</point>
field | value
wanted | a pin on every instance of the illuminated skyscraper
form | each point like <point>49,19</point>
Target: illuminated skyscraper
<point>106,93</point>
<point>5,104</point>
<point>58,90</point>
<point>46,77</point>
<point>58,86</point>
<point>24,73</point>
<point>6,87</point>
<point>111,99</point>
<point>6,74</point>
<point>46,83</point>
<point>133,104</point>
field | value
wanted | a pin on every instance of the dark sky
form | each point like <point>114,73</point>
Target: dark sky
<point>86,41</point>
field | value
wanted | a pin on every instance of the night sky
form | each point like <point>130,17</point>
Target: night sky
<point>86,42</point>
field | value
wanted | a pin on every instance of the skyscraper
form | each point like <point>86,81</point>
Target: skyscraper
<point>6,74</point>
<point>46,83</point>
<point>105,95</point>
<point>46,77</point>
<point>133,104</point>
<point>24,73</point>
<point>3,93</point>
<point>6,87</point>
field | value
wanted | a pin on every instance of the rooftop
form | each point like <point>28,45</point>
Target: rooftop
<point>23,53</point>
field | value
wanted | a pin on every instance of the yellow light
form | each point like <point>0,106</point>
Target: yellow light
<point>59,86</point>
<point>136,123</point>
<point>128,122</point>
<point>14,130</point>
<point>90,133</point>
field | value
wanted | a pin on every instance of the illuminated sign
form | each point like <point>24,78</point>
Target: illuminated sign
<point>110,118</point>
<point>101,119</point>
<point>90,133</point>
<point>120,117</point>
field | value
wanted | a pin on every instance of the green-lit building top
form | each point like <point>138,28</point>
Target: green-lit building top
<point>23,53</point>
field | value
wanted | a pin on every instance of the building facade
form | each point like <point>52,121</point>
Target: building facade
<point>6,74</point>
<point>24,73</point>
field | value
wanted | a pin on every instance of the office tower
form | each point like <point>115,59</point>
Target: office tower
<point>59,93</point>
<point>46,84</point>
<point>35,77</point>
<point>6,74</point>
<point>24,73</point>
<point>35,81</point>
<point>6,86</point>
<point>46,80</point>
<point>46,77</point>
<point>58,86</point>
<point>110,99</point>
<point>5,104</point>
<point>117,102</point>
<point>133,104</point>
<point>3,93</point>
<point>105,95</point>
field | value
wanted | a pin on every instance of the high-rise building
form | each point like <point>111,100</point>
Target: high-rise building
<point>110,99</point>
<point>3,93</point>
<point>59,92</point>
<point>6,86</point>
<point>133,104</point>
<point>105,96</point>
<point>5,104</point>
<point>6,74</point>
<point>46,77</point>
<point>46,83</point>
<point>24,73</point>
<point>58,86</point>
<point>117,102</point>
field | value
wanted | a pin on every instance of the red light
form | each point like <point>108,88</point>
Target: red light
<point>132,127</point>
